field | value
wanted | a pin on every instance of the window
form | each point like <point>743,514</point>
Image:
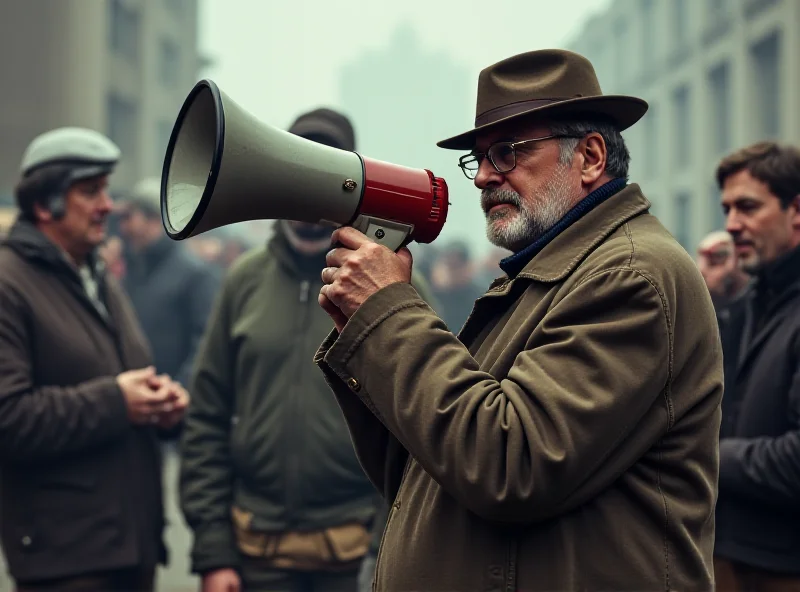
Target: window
<point>682,126</point>
<point>680,21</point>
<point>650,142</point>
<point>123,124</point>
<point>765,56</point>
<point>163,132</point>
<point>124,28</point>
<point>717,215</point>
<point>716,8</point>
<point>720,96</point>
<point>169,63</point>
<point>683,220</point>
<point>175,6</point>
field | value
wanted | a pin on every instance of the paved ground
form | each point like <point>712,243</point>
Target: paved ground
<point>176,578</point>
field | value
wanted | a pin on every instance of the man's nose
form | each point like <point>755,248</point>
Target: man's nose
<point>732,223</point>
<point>106,202</point>
<point>487,175</point>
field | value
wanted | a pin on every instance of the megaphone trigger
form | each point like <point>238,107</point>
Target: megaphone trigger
<point>393,235</point>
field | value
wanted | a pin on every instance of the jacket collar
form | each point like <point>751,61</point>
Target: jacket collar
<point>561,255</point>
<point>515,263</point>
<point>30,243</point>
<point>779,275</point>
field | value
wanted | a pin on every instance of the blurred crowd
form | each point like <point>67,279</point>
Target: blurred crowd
<point>118,343</point>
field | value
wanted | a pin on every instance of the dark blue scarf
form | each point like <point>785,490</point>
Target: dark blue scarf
<point>515,263</point>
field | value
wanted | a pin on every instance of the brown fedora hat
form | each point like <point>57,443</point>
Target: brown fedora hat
<point>547,82</point>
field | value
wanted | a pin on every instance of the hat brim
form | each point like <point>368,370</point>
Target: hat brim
<point>622,110</point>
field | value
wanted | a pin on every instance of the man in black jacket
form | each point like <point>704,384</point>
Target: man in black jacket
<point>758,511</point>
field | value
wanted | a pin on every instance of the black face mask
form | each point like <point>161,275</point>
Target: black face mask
<point>312,232</point>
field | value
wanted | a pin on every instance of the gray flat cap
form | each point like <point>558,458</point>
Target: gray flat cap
<point>70,145</point>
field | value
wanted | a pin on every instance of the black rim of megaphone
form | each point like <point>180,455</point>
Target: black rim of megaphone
<point>216,160</point>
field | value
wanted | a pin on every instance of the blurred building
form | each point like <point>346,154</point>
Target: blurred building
<point>404,97</point>
<point>122,67</point>
<point>718,74</point>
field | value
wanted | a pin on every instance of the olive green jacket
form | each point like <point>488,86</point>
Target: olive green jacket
<point>567,441</point>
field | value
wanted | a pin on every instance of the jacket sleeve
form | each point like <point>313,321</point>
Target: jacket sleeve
<point>381,455</point>
<point>44,423</point>
<point>554,432</point>
<point>766,470</point>
<point>206,475</point>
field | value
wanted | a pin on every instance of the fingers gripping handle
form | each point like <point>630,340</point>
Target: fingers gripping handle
<point>393,235</point>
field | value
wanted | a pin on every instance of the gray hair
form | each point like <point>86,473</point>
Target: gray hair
<point>617,158</point>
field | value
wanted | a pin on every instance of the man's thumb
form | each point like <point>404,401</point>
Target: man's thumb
<point>406,256</point>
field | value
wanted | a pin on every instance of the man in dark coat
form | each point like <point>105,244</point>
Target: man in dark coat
<point>758,512</point>
<point>80,403</point>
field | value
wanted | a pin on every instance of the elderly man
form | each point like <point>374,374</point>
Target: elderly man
<point>718,264</point>
<point>567,439</point>
<point>757,543</point>
<point>80,403</point>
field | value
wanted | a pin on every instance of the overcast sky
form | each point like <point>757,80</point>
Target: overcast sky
<point>280,58</point>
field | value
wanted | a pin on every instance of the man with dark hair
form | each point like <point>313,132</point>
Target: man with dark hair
<point>567,439</point>
<point>80,402</point>
<point>758,547</point>
<point>269,482</point>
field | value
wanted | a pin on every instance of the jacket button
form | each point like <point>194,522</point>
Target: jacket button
<point>354,385</point>
<point>495,571</point>
<point>397,504</point>
<point>26,541</point>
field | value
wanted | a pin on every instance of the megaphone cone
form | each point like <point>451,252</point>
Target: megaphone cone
<point>223,166</point>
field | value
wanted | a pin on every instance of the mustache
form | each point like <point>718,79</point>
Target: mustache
<point>494,197</point>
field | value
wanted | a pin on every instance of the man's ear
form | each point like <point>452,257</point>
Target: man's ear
<point>594,158</point>
<point>41,213</point>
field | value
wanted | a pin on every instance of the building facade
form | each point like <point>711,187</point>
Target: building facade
<point>718,74</point>
<point>122,67</point>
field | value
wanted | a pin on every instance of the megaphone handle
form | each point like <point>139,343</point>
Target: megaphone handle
<point>388,233</point>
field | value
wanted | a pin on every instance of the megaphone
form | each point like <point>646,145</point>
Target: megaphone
<point>223,166</point>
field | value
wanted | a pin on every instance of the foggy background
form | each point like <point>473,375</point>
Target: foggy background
<point>717,73</point>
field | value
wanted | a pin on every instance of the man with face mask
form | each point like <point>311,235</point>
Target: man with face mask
<point>269,482</point>
<point>758,512</point>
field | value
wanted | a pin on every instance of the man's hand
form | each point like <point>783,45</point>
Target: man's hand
<point>357,269</point>
<point>144,397</point>
<point>173,410</point>
<point>221,580</point>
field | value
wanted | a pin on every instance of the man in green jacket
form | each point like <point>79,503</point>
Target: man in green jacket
<point>270,483</point>
<point>568,438</point>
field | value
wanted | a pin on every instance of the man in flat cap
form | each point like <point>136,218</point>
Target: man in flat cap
<point>81,405</point>
<point>270,483</point>
<point>567,439</point>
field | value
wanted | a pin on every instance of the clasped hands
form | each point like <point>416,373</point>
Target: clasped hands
<point>356,269</point>
<point>153,399</point>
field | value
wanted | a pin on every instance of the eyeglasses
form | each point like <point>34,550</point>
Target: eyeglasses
<point>502,156</point>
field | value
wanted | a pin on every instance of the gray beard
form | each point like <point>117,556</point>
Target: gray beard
<point>531,221</point>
